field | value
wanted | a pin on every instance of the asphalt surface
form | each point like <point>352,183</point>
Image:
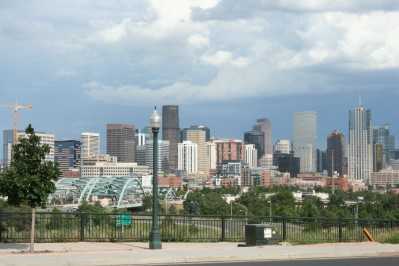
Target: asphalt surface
<point>128,253</point>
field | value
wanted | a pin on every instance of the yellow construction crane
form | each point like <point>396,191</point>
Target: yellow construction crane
<point>16,107</point>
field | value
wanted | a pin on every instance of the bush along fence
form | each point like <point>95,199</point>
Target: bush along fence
<point>80,226</point>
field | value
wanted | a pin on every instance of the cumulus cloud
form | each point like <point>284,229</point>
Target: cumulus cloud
<point>212,50</point>
<point>198,40</point>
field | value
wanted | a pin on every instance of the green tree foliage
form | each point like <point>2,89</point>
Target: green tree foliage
<point>206,202</point>
<point>172,209</point>
<point>86,207</point>
<point>284,204</point>
<point>255,200</point>
<point>147,203</point>
<point>30,179</point>
<point>311,207</point>
<point>93,213</point>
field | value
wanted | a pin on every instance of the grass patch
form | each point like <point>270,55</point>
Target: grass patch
<point>388,237</point>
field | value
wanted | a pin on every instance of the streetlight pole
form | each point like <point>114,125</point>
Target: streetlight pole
<point>270,209</point>
<point>358,199</point>
<point>155,235</point>
<point>231,210</point>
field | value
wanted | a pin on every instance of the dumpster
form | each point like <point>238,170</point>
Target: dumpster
<point>261,234</point>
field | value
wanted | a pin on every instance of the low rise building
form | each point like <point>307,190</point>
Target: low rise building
<point>384,178</point>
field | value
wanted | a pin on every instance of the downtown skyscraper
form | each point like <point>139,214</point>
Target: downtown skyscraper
<point>305,140</point>
<point>360,163</point>
<point>335,153</point>
<point>171,132</point>
<point>261,137</point>
<point>198,135</point>
<point>121,142</point>
<point>382,135</point>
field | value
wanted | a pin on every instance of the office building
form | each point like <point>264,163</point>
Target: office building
<point>205,129</point>
<point>335,153</point>
<point>141,137</point>
<point>258,139</point>
<point>45,138</point>
<point>163,155</point>
<point>287,163</point>
<point>305,140</point>
<point>188,157</point>
<point>8,141</point>
<point>251,155</point>
<point>384,178</point>
<point>261,137</point>
<point>382,136</point>
<point>121,142</point>
<point>229,150</point>
<point>112,169</point>
<point>211,156</point>
<point>282,146</point>
<point>67,154</point>
<point>171,131</point>
<point>360,144</point>
<point>198,135</point>
<point>378,158</point>
<point>90,144</point>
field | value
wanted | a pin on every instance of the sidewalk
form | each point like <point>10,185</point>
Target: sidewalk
<point>105,253</point>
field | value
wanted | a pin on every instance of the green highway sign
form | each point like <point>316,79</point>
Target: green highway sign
<point>122,220</point>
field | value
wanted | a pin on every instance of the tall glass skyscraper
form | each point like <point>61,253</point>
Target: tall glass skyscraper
<point>305,140</point>
<point>382,136</point>
<point>360,161</point>
<point>171,131</point>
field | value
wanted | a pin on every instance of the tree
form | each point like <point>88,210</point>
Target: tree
<point>30,179</point>
<point>284,204</point>
<point>147,203</point>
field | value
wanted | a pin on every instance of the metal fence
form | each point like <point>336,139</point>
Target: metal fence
<point>80,226</point>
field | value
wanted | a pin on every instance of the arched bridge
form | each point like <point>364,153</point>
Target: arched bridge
<point>119,192</point>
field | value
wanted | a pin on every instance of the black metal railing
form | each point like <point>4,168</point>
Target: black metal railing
<point>80,226</point>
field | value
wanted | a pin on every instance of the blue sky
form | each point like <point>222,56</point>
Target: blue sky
<point>83,64</point>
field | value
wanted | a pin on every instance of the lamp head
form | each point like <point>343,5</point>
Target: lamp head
<point>155,119</point>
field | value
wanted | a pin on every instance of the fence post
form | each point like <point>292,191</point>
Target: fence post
<point>340,229</point>
<point>284,228</point>
<point>223,228</point>
<point>82,231</point>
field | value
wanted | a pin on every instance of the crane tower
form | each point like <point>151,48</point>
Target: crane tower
<point>16,107</point>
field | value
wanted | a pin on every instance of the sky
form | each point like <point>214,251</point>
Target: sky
<point>83,64</point>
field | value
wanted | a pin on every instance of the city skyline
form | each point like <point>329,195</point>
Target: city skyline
<point>86,64</point>
<point>320,139</point>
